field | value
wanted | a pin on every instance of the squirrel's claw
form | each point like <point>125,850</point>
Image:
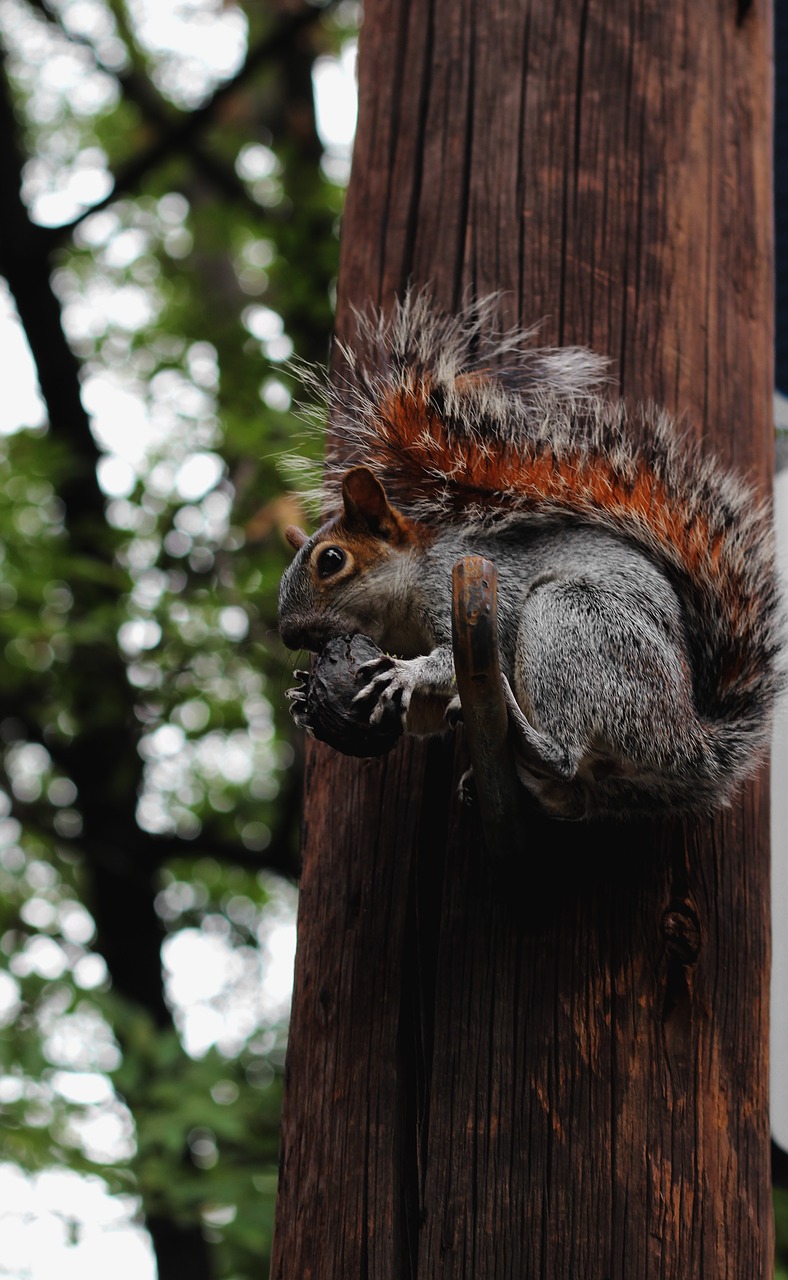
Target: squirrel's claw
<point>393,681</point>
<point>380,669</point>
<point>379,665</point>
<point>297,700</point>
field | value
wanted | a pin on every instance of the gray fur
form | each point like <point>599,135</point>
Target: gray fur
<point>615,644</point>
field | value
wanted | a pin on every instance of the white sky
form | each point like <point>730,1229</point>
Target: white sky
<point>37,1226</point>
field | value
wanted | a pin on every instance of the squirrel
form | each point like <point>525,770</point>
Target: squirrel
<point>637,603</point>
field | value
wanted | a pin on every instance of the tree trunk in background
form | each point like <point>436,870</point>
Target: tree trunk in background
<point>556,1070</point>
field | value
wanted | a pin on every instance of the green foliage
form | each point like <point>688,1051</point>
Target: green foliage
<point>147,765</point>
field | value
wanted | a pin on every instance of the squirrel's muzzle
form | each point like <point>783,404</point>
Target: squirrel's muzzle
<point>305,632</point>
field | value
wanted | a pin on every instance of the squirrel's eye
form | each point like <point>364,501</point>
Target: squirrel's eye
<point>330,561</point>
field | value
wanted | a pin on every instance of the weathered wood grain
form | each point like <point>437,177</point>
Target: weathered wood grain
<point>558,1070</point>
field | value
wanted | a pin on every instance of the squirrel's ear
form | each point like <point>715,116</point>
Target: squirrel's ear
<point>364,497</point>
<point>295,536</point>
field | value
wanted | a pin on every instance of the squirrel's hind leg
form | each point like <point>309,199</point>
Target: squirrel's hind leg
<point>602,671</point>
<point>537,749</point>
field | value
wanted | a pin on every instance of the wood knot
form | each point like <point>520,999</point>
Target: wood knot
<point>681,931</point>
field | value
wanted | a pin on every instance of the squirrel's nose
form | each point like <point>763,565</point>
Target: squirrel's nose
<point>302,633</point>
<point>290,633</point>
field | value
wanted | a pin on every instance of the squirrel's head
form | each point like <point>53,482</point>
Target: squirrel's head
<point>345,578</point>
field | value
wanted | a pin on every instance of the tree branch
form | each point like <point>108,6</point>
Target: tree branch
<point>24,264</point>
<point>137,88</point>
<point>180,133</point>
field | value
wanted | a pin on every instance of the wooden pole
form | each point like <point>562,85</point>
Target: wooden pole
<point>557,1069</point>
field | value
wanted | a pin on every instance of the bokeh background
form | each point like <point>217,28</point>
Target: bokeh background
<point>169,203</point>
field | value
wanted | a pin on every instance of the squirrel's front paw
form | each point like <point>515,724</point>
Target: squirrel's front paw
<point>392,681</point>
<point>298,702</point>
